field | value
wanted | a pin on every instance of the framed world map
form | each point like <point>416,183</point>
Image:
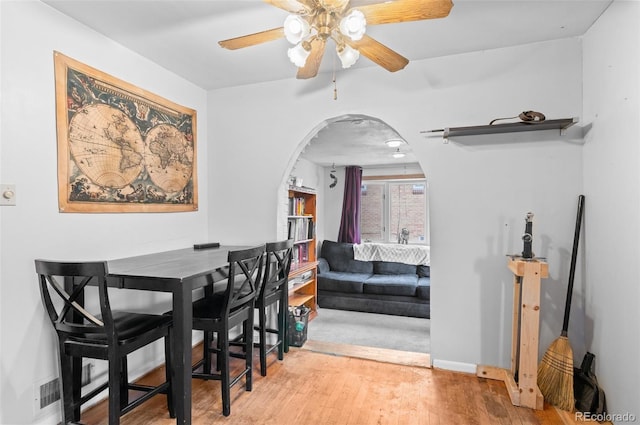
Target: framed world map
<point>120,148</point>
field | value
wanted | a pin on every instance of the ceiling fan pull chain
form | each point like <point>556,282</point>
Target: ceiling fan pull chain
<point>335,87</point>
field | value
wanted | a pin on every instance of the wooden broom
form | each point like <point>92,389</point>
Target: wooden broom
<point>555,372</point>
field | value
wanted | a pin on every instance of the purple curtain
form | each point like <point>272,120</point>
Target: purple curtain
<point>350,221</point>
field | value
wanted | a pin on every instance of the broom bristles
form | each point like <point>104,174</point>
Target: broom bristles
<point>555,375</point>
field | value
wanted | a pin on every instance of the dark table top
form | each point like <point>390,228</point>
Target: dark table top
<point>177,265</point>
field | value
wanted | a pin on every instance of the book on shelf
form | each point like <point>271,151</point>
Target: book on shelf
<point>296,206</point>
<point>301,229</point>
<point>300,254</point>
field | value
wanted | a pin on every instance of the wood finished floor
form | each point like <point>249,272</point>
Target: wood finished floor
<point>310,387</point>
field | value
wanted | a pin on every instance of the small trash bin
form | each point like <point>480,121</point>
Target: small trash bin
<point>298,322</point>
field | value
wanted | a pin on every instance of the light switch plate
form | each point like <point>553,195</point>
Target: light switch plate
<point>7,194</point>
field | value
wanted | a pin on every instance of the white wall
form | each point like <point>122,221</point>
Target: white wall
<point>30,32</point>
<point>481,188</point>
<point>612,205</point>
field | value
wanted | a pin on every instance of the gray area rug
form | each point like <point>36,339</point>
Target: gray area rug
<point>371,330</point>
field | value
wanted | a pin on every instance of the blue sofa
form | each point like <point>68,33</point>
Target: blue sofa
<point>371,286</point>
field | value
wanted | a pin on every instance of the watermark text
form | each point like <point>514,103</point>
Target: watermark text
<point>605,417</point>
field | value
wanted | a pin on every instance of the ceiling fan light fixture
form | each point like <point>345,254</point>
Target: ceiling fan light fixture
<point>348,55</point>
<point>354,25</point>
<point>296,29</point>
<point>394,143</point>
<point>299,53</point>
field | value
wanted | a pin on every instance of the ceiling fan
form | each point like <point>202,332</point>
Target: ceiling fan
<point>311,23</point>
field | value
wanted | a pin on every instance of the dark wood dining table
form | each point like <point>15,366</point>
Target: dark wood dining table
<point>178,272</point>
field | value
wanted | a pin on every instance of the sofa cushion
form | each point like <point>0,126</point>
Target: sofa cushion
<point>342,281</point>
<point>403,285</point>
<point>424,288</point>
<point>323,265</point>
<point>391,268</point>
<point>424,271</point>
<point>340,258</point>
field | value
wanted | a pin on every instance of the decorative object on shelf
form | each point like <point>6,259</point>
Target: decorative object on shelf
<point>311,23</point>
<point>513,127</point>
<point>526,117</point>
<point>121,148</point>
<point>332,175</point>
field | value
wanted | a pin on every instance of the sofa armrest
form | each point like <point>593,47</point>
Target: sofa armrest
<point>323,266</point>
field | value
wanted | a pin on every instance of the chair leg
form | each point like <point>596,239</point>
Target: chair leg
<point>281,330</point>
<point>66,389</point>
<point>219,352</point>
<point>76,363</point>
<point>284,305</point>
<point>263,340</point>
<point>115,376</point>
<point>206,352</point>
<point>169,374</point>
<point>244,332</point>
<point>249,354</point>
<point>124,383</point>
<point>223,361</point>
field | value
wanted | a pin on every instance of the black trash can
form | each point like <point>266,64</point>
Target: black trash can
<point>298,322</point>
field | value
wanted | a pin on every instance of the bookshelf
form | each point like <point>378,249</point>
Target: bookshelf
<point>301,227</point>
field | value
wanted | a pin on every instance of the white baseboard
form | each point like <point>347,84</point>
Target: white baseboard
<point>455,366</point>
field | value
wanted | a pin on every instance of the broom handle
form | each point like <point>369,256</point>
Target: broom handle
<point>572,270</point>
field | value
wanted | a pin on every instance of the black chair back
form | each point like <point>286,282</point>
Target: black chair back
<point>245,274</point>
<point>104,335</point>
<point>278,265</point>
<point>68,282</point>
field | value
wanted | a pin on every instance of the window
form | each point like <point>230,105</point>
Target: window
<point>389,206</point>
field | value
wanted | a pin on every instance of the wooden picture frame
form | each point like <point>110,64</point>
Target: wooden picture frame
<point>121,148</point>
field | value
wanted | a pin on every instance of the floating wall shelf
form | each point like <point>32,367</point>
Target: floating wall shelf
<point>514,127</point>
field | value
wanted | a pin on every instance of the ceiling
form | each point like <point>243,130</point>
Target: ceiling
<point>182,36</point>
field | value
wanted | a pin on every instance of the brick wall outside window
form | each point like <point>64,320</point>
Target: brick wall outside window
<point>407,210</point>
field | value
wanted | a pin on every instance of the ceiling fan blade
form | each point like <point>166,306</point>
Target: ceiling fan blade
<point>252,39</point>
<point>292,6</point>
<point>310,68</point>
<point>405,11</point>
<point>379,53</point>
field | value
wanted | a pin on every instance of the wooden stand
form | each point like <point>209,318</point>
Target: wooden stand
<point>524,335</point>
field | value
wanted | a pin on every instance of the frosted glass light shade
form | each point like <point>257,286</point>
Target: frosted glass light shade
<point>354,25</point>
<point>348,56</point>
<point>298,55</point>
<point>394,143</point>
<point>296,29</point>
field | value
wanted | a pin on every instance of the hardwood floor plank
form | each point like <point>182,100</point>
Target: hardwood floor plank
<point>370,353</point>
<point>310,387</point>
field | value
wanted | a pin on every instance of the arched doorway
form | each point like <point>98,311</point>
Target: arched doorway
<point>320,158</point>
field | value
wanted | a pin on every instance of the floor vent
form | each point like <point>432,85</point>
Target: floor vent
<point>50,391</point>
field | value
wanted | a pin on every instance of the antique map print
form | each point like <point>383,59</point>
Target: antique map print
<point>120,148</point>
